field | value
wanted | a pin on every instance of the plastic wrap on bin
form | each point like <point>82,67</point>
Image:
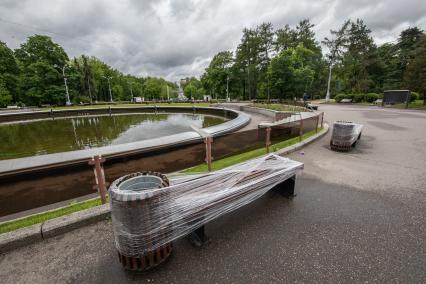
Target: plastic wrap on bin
<point>345,133</point>
<point>157,216</point>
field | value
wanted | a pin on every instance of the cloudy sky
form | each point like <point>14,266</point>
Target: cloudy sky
<point>177,38</point>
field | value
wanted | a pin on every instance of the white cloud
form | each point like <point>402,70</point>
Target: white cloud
<point>176,38</point>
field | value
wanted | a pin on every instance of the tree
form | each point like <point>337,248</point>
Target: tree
<point>291,72</point>
<point>415,75</point>
<point>247,60</point>
<point>193,89</point>
<point>5,96</point>
<point>392,73</point>
<point>41,48</point>
<point>154,88</point>
<point>86,85</point>
<point>306,36</point>
<point>359,59</point>
<point>285,38</point>
<point>265,33</point>
<point>336,46</point>
<point>42,61</point>
<point>217,73</point>
<point>41,84</point>
<point>407,43</point>
<point>9,72</point>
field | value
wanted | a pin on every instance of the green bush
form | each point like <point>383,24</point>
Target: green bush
<point>419,96</point>
<point>339,97</point>
<point>358,98</point>
<point>350,96</point>
<point>414,96</point>
<point>371,97</point>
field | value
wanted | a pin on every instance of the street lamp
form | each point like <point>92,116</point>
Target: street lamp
<point>227,89</point>
<point>109,86</point>
<point>327,95</point>
<point>131,91</point>
<point>68,102</point>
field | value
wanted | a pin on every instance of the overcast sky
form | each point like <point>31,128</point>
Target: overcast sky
<point>177,38</point>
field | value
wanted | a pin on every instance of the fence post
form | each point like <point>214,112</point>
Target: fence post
<point>301,129</point>
<point>97,161</point>
<point>322,119</point>
<point>316,124</point>
<point>268,139</point>
<point>208,141</point>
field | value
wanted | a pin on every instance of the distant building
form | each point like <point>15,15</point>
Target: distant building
<point>183,82</point>
<point>207,98</point>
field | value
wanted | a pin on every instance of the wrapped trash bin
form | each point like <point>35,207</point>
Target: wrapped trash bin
<point>133,208</point>
<point>345,135</point>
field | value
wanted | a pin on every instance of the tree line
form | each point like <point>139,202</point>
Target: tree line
<point>267,64</point>
<point>33,75</point>
<point>288,62</point>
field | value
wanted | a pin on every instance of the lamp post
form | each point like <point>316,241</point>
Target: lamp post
<point>131,91</point>
<point>227,89</point>
<point>109,86</point>
<point>327,96</point>
<point>67,95</point>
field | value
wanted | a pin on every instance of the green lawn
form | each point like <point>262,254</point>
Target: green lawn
<point>239,158</point>
<point>415,104</point>
<point>217,165</point>
<point>125,105</point>
<point>40,218</point>
<point>279,107</point>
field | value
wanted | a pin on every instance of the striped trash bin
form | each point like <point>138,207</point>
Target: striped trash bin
<point>136,208</point>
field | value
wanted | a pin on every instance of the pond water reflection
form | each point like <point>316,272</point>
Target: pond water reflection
<point>28,138</point>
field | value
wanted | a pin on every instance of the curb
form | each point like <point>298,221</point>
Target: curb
<point>300,145</point>
<point>38,232</point>
<point>54,227</point>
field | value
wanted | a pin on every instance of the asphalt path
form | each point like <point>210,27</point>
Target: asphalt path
<point>357,217</point>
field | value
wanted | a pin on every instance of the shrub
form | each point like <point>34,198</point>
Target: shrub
<point>339,97</point>
<point>371,97</point>
<point>357,98</point>
<point>350,96</point>
<point>419,96</point>
<point>414,96</point>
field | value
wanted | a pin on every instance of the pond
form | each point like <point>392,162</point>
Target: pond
<point>38,137</point>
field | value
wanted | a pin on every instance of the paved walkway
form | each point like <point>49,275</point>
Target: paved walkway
<point>358,217</point>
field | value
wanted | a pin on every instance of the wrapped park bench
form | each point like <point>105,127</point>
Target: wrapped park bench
<point>148,213</point>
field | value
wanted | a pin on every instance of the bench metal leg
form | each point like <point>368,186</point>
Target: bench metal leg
<point>287,187</point>
<point>198,237</point>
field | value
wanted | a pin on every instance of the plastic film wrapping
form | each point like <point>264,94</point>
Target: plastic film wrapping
<point>345,133</point>
<point>146,217</point>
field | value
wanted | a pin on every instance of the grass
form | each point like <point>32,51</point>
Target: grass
<point>42,217</point>
<point>417,104</point>
<point>75,207</point>
<point>124,105</point>
<point>330,102</point>
<point>239,158</point>
<point>279,107</point>
<point>414,105</point>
